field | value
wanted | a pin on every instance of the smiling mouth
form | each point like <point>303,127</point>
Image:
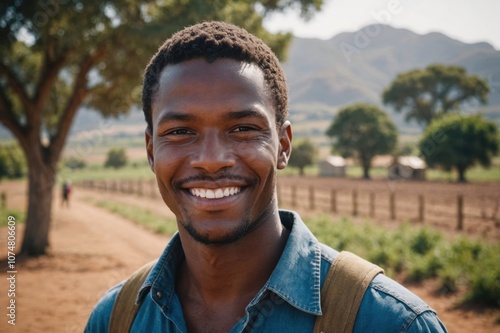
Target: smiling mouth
<point>215,193</point>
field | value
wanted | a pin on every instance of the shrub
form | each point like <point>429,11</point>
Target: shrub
<point>116,158</point>
<point>74,163</point>
<point>424,241</point>
<point>12,162</point>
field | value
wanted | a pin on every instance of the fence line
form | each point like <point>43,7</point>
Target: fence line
<point>389,205</point>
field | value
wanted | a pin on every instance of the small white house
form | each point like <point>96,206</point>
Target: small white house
<point>407,167</point>
<point>332,166</point>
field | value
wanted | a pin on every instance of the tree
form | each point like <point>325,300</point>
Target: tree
<point>363,131</point>
<point>12,162</point>
<point>457,141</point>
<point>425,94</point>
<point>56,56</point>
<point>116,158</point>
<point>303,154</point>
<point>74,163</point>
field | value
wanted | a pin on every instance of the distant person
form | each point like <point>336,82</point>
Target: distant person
<point>66,192</point>
<point>215,102</point>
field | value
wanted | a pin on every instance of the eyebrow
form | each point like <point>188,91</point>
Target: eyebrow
<point>176,116</point>
<point>247,113</point>
<point>234,115</point>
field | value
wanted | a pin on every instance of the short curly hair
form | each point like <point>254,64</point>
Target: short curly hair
<point>211,41</point>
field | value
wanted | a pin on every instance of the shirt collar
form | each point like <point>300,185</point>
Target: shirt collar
<point>299,265</point>
<point>296,277</point>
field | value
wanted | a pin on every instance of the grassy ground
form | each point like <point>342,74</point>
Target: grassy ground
<point>139,215</point>
<point>134,170</point>
<point>6,212</point>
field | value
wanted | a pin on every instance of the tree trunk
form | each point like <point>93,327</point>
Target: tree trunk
<point>461,175</point>
<point>301,171</point>
<point>36,232</point>
<point>366,170</point>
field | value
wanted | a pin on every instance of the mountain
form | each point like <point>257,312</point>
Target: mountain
<point>358,66</point>
<point>348,67</point>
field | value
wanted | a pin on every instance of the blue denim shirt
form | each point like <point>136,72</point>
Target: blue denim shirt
<point>288,302</point>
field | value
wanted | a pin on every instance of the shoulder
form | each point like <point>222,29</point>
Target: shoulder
<point>387,305</point>
<point>99,318</point>
<point>396,308</point>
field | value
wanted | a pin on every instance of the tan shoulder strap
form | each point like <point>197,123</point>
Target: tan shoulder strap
<point>125,309</point>
<point>342,293</point>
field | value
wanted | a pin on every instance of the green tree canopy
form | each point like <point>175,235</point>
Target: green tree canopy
<point>117,158</point>
<point>56,56</point>
<point>12,162</point>
<point>458,141</point>
<point>425,94</point>
<point>303,154</point>
<point>363,131</point>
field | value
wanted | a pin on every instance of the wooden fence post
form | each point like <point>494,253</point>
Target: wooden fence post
<point>3,200</point>
<point>311,198</point>
<point>333,201</point>
<point>139,187</point>
<point>372,204</point>
<point>460,212</point>
<point>354,203</point>
<point>392,205</point>
<point>421,208</point>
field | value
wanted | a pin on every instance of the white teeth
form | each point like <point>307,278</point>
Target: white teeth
<point>215,194</point>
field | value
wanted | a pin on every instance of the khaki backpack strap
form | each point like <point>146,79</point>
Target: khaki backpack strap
<point>125,309</point>
<point>342,292</point>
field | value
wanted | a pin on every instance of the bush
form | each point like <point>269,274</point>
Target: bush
<point>12,162</point>
<point>116,158</point>
<point>74,163</point>
<point>424,241</point>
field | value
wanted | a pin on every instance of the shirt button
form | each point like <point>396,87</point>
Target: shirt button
<point>159,294</point>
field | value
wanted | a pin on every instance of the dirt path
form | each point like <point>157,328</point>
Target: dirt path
<point>92,249</point>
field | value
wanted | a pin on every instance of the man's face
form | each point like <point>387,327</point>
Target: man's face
<point>215,148</point>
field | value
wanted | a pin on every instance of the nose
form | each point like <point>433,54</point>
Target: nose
<point>214,153</point>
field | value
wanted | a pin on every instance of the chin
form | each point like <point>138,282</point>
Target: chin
<point>217,236</point>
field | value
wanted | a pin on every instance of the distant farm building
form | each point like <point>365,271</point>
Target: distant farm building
<point>407,167</point>
<point>332,166</point>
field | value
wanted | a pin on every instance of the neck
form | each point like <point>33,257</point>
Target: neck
<point>225,273</point>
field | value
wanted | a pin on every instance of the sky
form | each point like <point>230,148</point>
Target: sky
<point>466,20</point>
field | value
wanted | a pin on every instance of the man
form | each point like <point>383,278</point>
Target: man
<point>66,192</point>
<point>215,102</point>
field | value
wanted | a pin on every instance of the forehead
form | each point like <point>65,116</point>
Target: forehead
<point>200,80</point>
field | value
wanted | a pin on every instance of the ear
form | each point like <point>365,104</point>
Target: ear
<point>285,148</point>
<point>149,149</point>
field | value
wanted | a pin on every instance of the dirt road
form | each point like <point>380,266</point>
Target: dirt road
<point>92,249</point>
